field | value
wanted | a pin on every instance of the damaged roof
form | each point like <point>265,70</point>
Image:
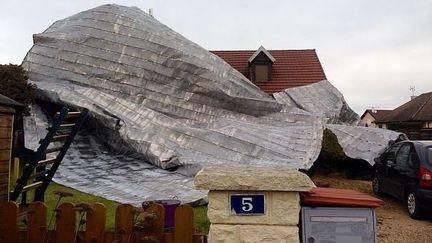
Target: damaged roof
<point>153,93</point>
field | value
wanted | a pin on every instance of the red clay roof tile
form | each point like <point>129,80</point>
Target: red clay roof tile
<point>292,68</point>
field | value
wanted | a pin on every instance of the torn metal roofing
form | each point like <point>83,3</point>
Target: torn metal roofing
<point>168,98</point>
<point>153,93</point>
<point>364,143</point>
<point>321,99</point>
<point>91,167</point>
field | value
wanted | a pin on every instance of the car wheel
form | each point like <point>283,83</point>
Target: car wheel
<point>413,208</point>
<point>376,186</point>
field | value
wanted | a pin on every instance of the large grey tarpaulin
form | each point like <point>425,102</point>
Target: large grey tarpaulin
<point>168,103</point>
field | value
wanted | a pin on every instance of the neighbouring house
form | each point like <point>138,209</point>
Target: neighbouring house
<point>371,115</point>
<point>276,70</point>
<point>413,118</point>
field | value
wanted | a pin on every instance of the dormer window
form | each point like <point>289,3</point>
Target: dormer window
<point>262,72</point>
<point>260,65</point>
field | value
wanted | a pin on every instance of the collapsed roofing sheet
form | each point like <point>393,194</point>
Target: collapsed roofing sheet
<point>91,167</point>
<point>152,92</point>
<point>168,98</point>
<point>321,99</point>
<point>364,143</point>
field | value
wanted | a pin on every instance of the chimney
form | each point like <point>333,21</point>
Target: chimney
<point>151,12</point>
<point>373,110</point>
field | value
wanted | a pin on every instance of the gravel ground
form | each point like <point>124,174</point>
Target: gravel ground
<point>394,224</point>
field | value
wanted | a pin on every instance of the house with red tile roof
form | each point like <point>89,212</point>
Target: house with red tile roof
<point>276,70</point>
<point>413,118</point>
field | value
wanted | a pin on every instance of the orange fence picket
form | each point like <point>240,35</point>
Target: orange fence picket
<point>36,222</point>
<point>95,223</point>
<point>156,213</point>
<point>124,223</point>
<point>131,225</point>
<point>9,222</point>
<point>184,224</point>
<point>65,223</point>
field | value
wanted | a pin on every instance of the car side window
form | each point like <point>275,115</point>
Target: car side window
<point>390,155</point>
<point>402,157</point>
<point>429,155</point>
<point>413,160</point>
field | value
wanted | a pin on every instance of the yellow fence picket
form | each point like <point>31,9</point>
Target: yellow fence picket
<point>36,222</point>
<point>184,224</point>
<point>9,222</point>
<point>65,223</point>
<point>95,224</point>
<point>124,223</point>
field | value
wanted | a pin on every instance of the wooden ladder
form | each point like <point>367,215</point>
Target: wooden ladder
<point>41,168</point>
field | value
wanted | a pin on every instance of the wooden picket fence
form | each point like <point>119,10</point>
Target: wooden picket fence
<point>86,223</point>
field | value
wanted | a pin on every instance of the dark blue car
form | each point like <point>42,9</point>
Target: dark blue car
<point>404,171</point>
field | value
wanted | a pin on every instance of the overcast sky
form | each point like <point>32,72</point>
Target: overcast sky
<point>372,51</point>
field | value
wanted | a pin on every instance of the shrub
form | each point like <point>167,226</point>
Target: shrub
<point>13,84</point>
<point>331,150</point>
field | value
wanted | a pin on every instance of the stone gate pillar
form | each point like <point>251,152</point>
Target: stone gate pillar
<point>253,204</point>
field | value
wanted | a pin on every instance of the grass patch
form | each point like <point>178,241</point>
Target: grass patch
<point>202,223</point>
<point>78,197</point>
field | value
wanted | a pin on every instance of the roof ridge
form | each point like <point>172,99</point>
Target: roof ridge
<point>307,49</point>
<point>263,50</point>
<point>421,107</point>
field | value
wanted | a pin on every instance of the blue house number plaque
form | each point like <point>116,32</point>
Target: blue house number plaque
<point>247,204</point>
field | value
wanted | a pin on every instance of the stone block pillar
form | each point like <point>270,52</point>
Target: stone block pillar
<point>232,191</point>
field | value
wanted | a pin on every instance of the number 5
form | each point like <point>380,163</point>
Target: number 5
<point>247,204</point>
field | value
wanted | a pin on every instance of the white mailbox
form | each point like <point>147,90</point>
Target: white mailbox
<point>338,225</point>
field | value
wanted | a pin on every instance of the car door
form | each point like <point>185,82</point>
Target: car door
<point>398,173</point>
<point>386,161</point>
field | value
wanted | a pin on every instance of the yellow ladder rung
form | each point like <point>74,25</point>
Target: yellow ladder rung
<point>47,161</point>
<point>59,137</point>
<point>69,125</point>
<point>32,186</point>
